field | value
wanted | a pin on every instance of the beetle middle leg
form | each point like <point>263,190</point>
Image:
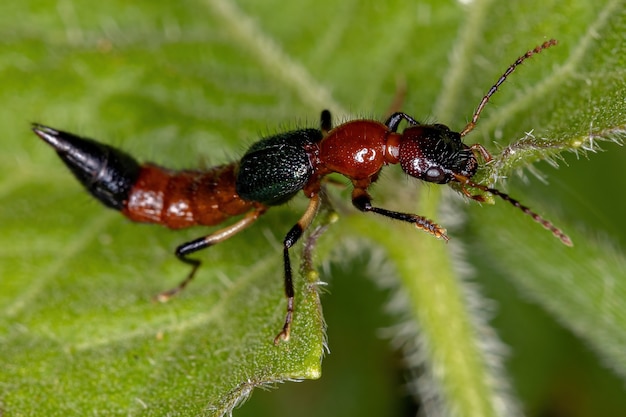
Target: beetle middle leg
<point>188,248</point>
<point>290,239</point>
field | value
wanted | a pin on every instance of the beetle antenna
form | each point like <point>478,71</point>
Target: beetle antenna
<point>471,125</point>
<point>536,217</point>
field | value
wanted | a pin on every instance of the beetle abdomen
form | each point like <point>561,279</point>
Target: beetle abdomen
<point>179,199</point>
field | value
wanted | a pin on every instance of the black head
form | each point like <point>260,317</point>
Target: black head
<point>436,154</point>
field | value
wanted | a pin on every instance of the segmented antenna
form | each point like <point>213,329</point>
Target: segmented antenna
<point>471,125</point>
<point>536,217</point>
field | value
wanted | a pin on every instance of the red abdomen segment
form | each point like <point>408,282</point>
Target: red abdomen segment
<point>355,149</point>
<point>179,199</point>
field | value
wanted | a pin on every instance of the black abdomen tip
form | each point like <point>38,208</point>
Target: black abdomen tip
<point>107,173</point>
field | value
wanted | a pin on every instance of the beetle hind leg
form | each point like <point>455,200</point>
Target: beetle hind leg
<point>186,249</point>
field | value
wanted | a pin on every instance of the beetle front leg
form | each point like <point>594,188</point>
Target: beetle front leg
<point>362,200</point>
<point>393,122</point>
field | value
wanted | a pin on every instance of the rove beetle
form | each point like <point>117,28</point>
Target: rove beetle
<point>274,170</point>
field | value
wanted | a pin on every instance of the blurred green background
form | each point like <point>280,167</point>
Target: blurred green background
<point>193,83</point>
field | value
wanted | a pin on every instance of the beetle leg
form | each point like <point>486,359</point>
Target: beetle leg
<point>290,239</point>
<point>477,147</point>
<point>204,242</point>
<point>393,122</point>
<point>362,200</point>
<point>326,122</point>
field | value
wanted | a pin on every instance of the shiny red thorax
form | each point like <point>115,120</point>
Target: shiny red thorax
<point>357,149</point>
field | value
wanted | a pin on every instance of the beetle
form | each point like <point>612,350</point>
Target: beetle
<point>275,169</point>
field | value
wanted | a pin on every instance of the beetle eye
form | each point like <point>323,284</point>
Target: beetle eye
<point>435,175</point>
<point>442,127</point>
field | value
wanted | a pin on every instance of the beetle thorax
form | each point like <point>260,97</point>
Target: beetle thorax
<point>355,149</point>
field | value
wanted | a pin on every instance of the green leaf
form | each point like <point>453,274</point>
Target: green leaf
<point>194,84</point>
